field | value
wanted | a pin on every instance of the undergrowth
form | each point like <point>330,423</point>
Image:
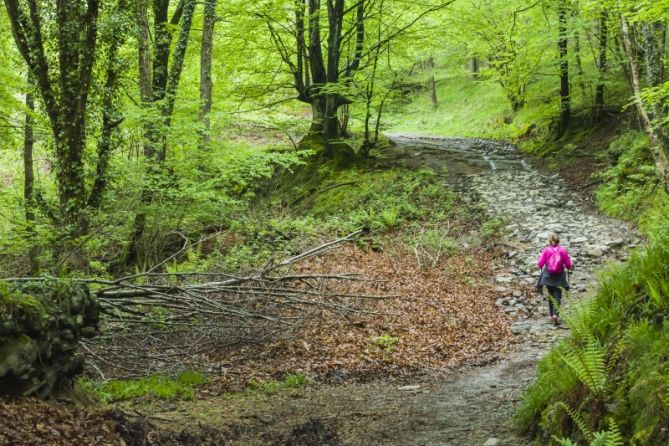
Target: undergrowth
<point>300,207</point>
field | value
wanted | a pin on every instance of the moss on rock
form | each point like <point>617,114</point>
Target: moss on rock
<point>41,323</point>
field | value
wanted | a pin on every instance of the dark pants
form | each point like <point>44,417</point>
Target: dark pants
<point>556,293</point>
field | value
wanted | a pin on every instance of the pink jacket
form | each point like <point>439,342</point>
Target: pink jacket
<point>547,253</point>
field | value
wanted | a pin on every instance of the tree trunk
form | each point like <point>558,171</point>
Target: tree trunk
<point>658,145</point>
<point>176,68</point>
<point>318,113</point>
<point>601,66</point>
<point>164,87</point>
<point>111,118</point>
<point>430,82</point>
<point>565,100</point>
<point>29,181</point>
<point>579,64</point>
<point>343,121</point>
<point>474,66</point>
<point>208,22</point>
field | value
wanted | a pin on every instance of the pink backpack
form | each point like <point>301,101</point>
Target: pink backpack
<point>555,262</point>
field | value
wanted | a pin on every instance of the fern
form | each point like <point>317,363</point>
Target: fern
<point>588,363</point>
<point>586,357</point>
<point>610,437</point>
<point>578,419</point>
<point>565,442</point>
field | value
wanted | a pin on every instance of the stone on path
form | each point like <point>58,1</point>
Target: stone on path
<point>492,442</point>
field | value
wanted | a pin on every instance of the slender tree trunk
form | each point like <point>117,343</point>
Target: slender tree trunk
<point>29,181</point>
<point>659,146</point>
<point>474,66</point>
<point>208,22</point>
<point>430,82</point>
<point>602,63</point>
<point>579,64</point>
<point>343,121</point>
<point>144,52</point>
<point>111,118</point>
<point>565,99</point>
<point>164,84</point>
<point>176,69</point>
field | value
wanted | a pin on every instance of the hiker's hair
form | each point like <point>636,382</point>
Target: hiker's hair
<point>553,239</point>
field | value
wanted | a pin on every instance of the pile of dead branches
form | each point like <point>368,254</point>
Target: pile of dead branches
<point>161,322</point>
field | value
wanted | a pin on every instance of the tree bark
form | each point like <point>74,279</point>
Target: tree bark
<point>565,99</point>
<point>111,117</point>
<point>29,181</point>
<point>164,85</point>
<point>602,64</point>
<point>474,66</point>
<point>658,146</point>
<point>65,106</point>
<point>430,82</point>
<point>175,71</point>
<point>208,23</point>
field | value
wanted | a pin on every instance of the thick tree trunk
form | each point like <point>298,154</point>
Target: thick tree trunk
<point>208,22</point>
<point>602,64</point>
<point>658,145</point>
<point>318,113</point>
<point>331,121</point>
<point>29,181</point>
<point>565,99</point>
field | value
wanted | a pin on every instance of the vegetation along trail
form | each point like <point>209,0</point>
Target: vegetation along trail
<point>468,405</point>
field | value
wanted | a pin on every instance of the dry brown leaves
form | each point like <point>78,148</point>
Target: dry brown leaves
<point>33,423</point>
<point>443,316</point>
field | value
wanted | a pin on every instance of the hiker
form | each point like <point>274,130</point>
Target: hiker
<point>553,263</point>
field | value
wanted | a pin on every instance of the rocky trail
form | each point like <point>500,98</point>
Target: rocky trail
<point>470,405</point>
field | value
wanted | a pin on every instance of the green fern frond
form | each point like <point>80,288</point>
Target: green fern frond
<point>564,441</point>
<point>578,419</point>
<point>616,353</point>
<point>611,437</point>
<point>588,363</point>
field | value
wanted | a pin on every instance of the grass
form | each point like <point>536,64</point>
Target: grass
<point>271,387</point>
<point>158,386</point>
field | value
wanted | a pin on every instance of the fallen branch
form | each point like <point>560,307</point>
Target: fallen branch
<point>166,322</point>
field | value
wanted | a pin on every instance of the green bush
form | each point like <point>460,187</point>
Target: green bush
<point>629,184</point>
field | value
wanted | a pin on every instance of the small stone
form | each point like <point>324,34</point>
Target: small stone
<point>579,240</point>
<point>511,254</point>
<point>492,442</point>
<point>517,293</point>
<point>501,289</point>
<point>408,388</point>
<point>595,252</point>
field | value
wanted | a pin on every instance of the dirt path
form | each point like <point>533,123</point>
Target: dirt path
<point>465,406</point>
